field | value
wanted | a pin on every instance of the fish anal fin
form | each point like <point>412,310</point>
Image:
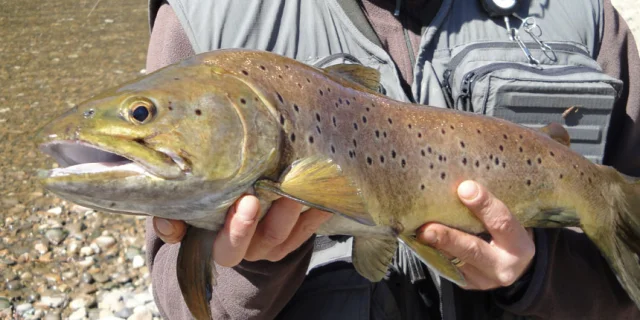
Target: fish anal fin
<point>371,256</point>
<point>319,182</point>
<point>195,271</point>
<point>434,259</point>
<point>557,132</point>
<point>365,76</point>
<point>554,218</point>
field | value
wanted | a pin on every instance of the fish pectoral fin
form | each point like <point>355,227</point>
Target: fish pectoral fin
<point>434,259</point>
<point>371,256</point>
<point>365,76</point>
<point>196,271</point>
<point>557,132</point>
<point>318,182</point>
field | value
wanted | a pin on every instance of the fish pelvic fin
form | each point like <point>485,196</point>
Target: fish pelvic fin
<point>434,259</point>
<point>365,76</point>
<point>371,256</point>
<point>196,272</point>
<point>621,246</point>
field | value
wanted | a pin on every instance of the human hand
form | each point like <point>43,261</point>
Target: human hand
<point>282,230</point>
<point>486,265</point>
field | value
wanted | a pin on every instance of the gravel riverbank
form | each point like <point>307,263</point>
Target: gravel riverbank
<point>59,260</point>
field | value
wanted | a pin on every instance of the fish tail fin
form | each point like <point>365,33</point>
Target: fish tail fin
<point>620,241</point>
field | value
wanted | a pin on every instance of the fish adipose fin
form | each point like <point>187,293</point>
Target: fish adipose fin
<point>318,182</point>
<point>621,245</point>
<point>365,76</point>
<point>434,259</point>
<point>557,132</point>
<point>195,271</point>
<point>371,257</point>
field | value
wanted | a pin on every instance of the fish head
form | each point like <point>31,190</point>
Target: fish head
<point>179,143</point>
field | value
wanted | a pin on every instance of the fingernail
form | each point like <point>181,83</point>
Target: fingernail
<point>430,236</point>
<point>246,209</point>
<point>468,190</point>
<point>164,227</point>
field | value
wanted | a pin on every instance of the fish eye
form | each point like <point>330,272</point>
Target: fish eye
<point>141,111</point>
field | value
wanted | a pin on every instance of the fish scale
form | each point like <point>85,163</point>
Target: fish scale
<point>230,122</point>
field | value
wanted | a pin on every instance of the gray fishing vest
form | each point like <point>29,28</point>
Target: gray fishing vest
<point>467,60</point>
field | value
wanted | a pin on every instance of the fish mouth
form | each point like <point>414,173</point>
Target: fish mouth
<point>76,157</point>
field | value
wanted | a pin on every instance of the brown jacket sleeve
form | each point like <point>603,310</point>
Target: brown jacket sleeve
<point>252,290</point>
<point>570,279</point>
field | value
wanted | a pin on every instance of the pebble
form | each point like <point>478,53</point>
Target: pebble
<point>14,285</point>
<point>55,236</point>
<point>41,248</point>
<point>138,262</point>
<point>86,251</point>
<point>24,308</point>
<point>53,301</point>
<point>78,314</point>
<point>55,210</point>
<point>141,313</point>
<point>123,313</point>
<point>87,262</point>
<point>84,301</point>
<point>4,303</point>
<point>105,242</point>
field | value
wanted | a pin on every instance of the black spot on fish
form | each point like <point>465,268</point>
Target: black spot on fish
<point>490,157</point>
<point>521,150</point>
<point>440,158</point>
<point>581,173</point>
<point>355,126</point>
<point>245,72</point>
<point>309,81</point>
<point>443,175</point>
<point>320,92</point>
<point>286,66</point>
<point>311,139</point>
<point>452,128</point>
<point>293,137</point>
<point>243,101</point>
<point>464,161</point>
<point>422,152</point>
<point>419,135</point>
<point>429,150</point>
<point>369,160</point>
<point>367,108</point>
<point>377,134</point>
<point>561,176</point>
<point>336,105</point>
<point>521,137</point>
<point>198,112</point>
<point>347,101</point>
<point>409,125</point>
<point>318,129</point>
<point>551,154</point>
<point>351,154</point>
<point>281,119</point>
<point>431,165</point>
<point>333,149</point>
<point>539,161</point>
<point>340,100</point>
<point>334,121</point>
<point>504,164</point>
<point>263,68</point>
<point>422,187</point>
<point>382,159</point>
<point>590,181</point>
<point>296,108</point>
<point>477,164</point>
<point>462,144</point>
<point>390,121</point>
<point>279,97</point>
<point>529,161</point>
<point>442,131</point>
<point>280,76</point>
<point>384,133</point>
<point>501,148</point>
<point>528,182</point>
<point>393,154</point>
<point>505,136</point>
<point>317,117</point>
<point>488,167</point>
<point>497,161</point>
<point>299,85</point>
<point>113,204</point>
<point>403,163</point>
<point>355,143</point>
<point>478,131</point>
<point>170,108</point>
<point>364,119</point>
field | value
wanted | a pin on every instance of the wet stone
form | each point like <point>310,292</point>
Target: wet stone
<point>79,314</point>
<point>100,278</point>
<point>24,308</point>
<point>87,278</point>
<point>14,285</point>
<point>123,313</point>
<point>4,303</point>
<point>88,289</point>
<point>105,242</point>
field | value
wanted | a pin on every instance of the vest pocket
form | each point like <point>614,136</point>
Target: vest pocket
<point>576,94</point>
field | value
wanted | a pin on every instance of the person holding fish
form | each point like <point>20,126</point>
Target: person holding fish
<point>440,53</point>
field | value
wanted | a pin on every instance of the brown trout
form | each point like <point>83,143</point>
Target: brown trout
<point>186,141</point>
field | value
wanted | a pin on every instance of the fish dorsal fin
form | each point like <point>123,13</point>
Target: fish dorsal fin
<point>368,77</point>
<point>318,182</point>
<point>557,132</point>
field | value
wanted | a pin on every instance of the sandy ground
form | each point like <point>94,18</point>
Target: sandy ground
<point>630,11</point>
